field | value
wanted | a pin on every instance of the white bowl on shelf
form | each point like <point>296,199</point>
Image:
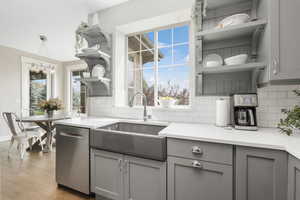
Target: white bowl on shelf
<point>234,20</point>
<point>236,60</point>
<point>212,60</point>
<point>98,71</point>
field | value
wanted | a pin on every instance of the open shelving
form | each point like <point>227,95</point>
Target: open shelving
<point>231,32</point>
<point>229,41</point>
<point>233,68</point>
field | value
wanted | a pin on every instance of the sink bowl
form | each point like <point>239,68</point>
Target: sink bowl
<point>140,140</point>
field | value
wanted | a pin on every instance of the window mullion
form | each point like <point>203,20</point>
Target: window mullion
<point>155,67</point>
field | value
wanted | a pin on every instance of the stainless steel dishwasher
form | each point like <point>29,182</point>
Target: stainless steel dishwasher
<point>73,158</point>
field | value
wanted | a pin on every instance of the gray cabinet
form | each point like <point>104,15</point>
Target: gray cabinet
<point>261,174</point>
<point>108,175</point>
<point>144,179</point>
<point>285,40</point>
<point>119,177</point>
<point>293,178</point>
<point>199,170</point>
<point>192,180</point>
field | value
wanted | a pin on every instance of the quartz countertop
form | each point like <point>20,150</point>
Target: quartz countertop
<point>269,138</point>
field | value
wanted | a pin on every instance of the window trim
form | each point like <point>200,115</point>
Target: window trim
<point>69,70</point>
<point>25,83</point>
<point>156,67</point>
<point>119,50</point>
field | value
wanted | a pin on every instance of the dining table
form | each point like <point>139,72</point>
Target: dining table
<point>47,123</point>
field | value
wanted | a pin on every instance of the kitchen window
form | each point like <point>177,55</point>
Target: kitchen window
<point>158,65</point>
<point>78,92</point>
<point>37,91</point>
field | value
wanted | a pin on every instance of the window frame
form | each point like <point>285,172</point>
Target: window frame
<point>48,88</point>
<point>25,83</point>
<point>156,65</point>
<point>69,70</point>
<point>71,91</point>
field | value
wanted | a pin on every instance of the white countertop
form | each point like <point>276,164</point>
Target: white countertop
<point>269,138</point>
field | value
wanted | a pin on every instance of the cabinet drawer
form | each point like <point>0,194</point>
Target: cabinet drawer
<point>220,153</point>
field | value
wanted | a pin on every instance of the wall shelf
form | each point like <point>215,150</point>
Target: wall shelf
<point>93,54</point>
<point>94,79</point>
<point>233,68</point>
<point>230,32</point>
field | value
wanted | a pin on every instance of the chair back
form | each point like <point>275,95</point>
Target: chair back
<point>11,121</point>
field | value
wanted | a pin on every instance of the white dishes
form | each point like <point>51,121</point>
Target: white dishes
<point>98,71</point>
<point>89,50</point>
<point>86,74</point>
<point>236,60</point>
<point>234,20</point>
<point>212,60</point>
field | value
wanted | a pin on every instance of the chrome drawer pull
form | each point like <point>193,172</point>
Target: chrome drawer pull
<point>197,150</point>
<point>197,164</point>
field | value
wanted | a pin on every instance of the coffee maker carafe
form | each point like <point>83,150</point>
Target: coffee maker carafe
<point>244,108</point>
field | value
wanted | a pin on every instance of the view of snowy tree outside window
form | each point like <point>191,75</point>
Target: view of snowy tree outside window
<point>158,65</point>
<point>78,92</point>
<point>38,91</point>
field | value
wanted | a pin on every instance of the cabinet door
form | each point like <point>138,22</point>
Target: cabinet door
<point>195,180</point>
<point>144,179</point>
<point>261,174</point>
<point>294,179</point>
<point>108,175</point>
<point>285,40</point>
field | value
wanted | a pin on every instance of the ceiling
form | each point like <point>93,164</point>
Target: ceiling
<point>21,23</point>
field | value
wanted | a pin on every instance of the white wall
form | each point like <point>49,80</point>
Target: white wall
<point>10,82</point>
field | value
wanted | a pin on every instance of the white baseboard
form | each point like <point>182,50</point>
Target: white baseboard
<point>4,138</point>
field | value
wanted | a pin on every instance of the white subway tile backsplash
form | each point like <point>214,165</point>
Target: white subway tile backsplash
<point>272,100</point>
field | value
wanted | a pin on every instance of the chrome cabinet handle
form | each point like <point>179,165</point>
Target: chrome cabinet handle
<point>275,67</point>
<point>197,150</point>
<point>125,166</point>
<point>120,164</point>
<point>197,164</point>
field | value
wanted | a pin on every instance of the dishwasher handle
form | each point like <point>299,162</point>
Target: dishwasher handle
<point>71,135</point>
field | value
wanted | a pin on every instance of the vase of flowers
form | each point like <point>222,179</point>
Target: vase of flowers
<point>51,105</point>
<point>291,124</point>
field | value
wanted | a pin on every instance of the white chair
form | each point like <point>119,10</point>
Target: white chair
<point>20,134</point>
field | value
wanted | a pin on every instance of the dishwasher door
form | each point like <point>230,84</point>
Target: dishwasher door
<point>73,158</point>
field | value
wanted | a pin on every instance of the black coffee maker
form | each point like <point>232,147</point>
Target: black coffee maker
<point>244,111</point>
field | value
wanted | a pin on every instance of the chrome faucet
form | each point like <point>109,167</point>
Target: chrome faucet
<point>145,117</point>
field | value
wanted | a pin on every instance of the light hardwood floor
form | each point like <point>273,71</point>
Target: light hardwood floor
<point>30,179</point>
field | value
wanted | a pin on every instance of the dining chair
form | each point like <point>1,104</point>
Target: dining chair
<point>20,134</point>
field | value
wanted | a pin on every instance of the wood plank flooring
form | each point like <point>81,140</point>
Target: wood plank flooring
<point>31,179</point>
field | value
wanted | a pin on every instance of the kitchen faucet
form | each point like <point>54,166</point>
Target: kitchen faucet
<point>145,117</point>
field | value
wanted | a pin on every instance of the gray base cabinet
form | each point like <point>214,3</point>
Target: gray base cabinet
<point>119,177</point>
<point>194,180</point>
<point>108,175</point>
<point>294,178</point>
<point>144,179</point>
<point>261,174</point>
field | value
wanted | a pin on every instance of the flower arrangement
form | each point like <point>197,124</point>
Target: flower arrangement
<point>292,121</point>
<point>50,105</point>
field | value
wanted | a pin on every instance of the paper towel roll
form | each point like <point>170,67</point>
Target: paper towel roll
<point>222,112</point>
